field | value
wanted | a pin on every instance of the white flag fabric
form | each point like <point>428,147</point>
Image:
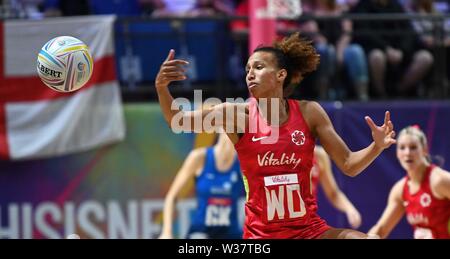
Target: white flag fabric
<point>37,122</point>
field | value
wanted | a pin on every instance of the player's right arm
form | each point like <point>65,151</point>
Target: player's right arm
<point>333,193</point>
<point>171,70</point>
<point>393,212</point>
<point>191,166</point>
<point>222,116</point>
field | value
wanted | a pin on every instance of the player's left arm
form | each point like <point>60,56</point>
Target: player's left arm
<point>393,212</point>
<point>350,163</point>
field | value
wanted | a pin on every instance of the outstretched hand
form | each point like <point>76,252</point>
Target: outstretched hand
<point>171,70</point>
<point>384,135</point>
<point>354,218</point>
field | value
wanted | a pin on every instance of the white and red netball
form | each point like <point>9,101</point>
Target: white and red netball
<point>64,64</point>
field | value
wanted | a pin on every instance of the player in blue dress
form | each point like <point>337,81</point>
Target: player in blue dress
<point>218,186</point>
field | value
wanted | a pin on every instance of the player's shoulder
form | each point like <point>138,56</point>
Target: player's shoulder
<point>439,172</point>
<point>400,183</point>
<point>307,103</point>
<point>309,106</point>
<point>439,181</point>
<point>312,112</point>
<point>397,188</point>
<point>198,153</point>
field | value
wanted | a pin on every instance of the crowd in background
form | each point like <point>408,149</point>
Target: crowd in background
<point>372,64</point>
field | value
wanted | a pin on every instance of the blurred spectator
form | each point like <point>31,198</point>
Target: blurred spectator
<point>333,41</point>
<point>427,27</point>
<point>84,7</point>
<point>225,7</point>
<point>118,7</point>
<point>444,7</point>
<point>212,7</point>
<point>29,9</point>
<point>203,8</point>
<point>155,8</point>
<point>66,7</point>
<point>242,9</point>
<point>434,33</point>
<point>345,5</point>
<point>392,46</point>
<point>192,8</point>
<point>424,27</point>
<point>178,7</point>
<point>325,72</point>
<point>240,29</point>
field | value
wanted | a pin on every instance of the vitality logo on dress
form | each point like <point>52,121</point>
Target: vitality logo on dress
<point>269,159</point>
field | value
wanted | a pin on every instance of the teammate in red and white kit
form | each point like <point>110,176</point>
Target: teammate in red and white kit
<point>423,194</point>
<point>275,138</point>
<point>321,173</point>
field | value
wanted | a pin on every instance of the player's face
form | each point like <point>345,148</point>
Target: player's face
<point>261,74</point>
<point>410,152</point>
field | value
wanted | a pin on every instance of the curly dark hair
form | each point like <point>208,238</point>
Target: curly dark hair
<point>295,54</point>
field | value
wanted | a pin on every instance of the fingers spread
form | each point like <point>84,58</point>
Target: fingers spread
<point>387,117</point>
<point>370,123</point>
<point>390,125</point>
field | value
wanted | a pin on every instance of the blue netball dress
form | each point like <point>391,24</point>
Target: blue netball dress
<point>217,193</point>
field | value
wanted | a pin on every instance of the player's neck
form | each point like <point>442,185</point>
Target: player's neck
<point>274,110</point>
<point>417,174</point>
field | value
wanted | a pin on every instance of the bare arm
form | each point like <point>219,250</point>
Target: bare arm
<point>336,197</point>
<point>350,163</point>
<point>440,183</point>
<point>221,116</point>
<point>171,70</point>
<point>193,163</point>
<point>393,212</point>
